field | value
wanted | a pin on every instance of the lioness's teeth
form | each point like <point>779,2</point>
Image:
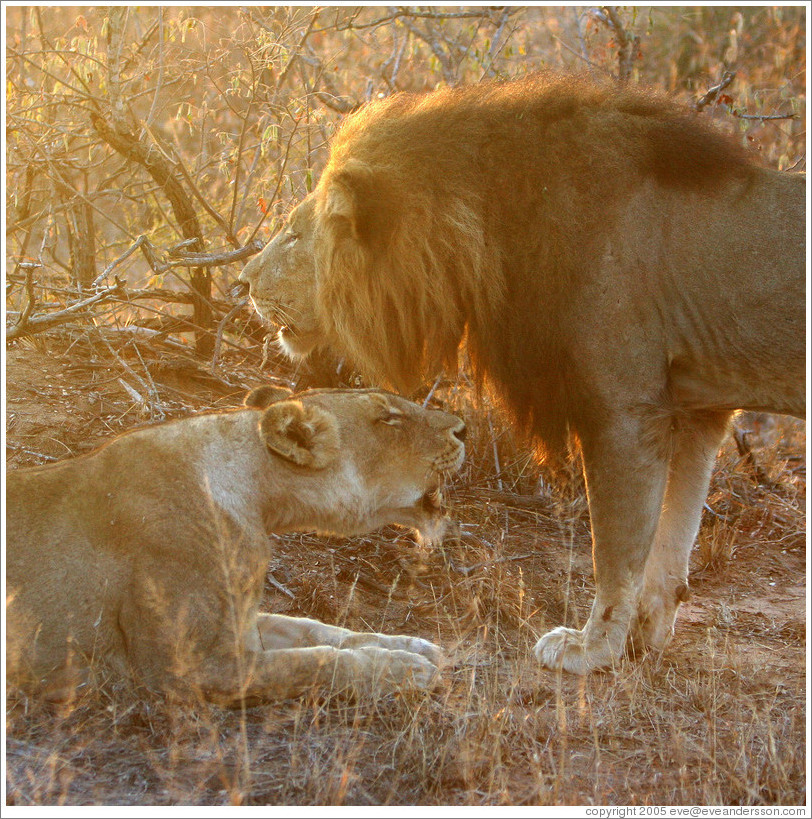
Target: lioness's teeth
<point>434,498</point>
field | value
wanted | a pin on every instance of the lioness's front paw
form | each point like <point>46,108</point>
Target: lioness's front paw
<point>383,671</point>
<point>416,645</point>
<point>568,649</point>
<point>437,530</point>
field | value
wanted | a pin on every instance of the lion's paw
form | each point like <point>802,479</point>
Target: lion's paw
<point>656,613</point>
<point>383,671</point>
<point>438,530</point>
<point>396,642</point>
<point>416,645</point>
<point>567,649</point>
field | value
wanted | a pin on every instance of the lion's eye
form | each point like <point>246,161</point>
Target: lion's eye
<point>292,237</point>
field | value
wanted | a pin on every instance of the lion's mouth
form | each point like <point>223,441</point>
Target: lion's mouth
<point>287,332</point>
<point>295,342</point>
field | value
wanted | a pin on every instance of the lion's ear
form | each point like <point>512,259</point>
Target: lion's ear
<point>358,198</point>
<point>264,396</point>
<point>306,436</point>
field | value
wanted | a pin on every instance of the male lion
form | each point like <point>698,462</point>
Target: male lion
<point>147,557</point>
<point>622,272</point>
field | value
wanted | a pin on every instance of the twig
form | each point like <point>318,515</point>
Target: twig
<point>30,296</point>
<point>761,117</point>
<point>29,268</point>
<point>495,453</point>
<point>153,388</point>
<point>23,212</point>
<point>466,570</point>
<point>18,448</point>
<point>279,178</point>
<point>628,44</point>
<point>116,262</point>
<point>713,93</point>
<point>155,407</point>
<point>144,153</point>
<point>132,392</point>
<point>746,452</point>
<point>589,62</point>
<point>277,585</point>
<point>430,38</point>
<point>579,28</point>
<point>497,44</point>
<point>221,328</point>
<point>160,82</point>
<point>433,390</point>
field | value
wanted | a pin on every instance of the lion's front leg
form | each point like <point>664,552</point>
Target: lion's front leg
<point>695,445</point>
<point>268,676</point>
<point>626,476</point>
<point>280,631</point>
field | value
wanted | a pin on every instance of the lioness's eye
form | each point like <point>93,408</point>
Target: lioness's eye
<point>292,236</point>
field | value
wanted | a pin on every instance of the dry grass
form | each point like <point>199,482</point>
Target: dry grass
<point>719,718</point>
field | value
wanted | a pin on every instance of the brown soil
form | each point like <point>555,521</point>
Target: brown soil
<point>718,718</point>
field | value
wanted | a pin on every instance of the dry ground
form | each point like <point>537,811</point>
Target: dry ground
<point>719,718</point>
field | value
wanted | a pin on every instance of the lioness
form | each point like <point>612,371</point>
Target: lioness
<point>147,557</point>
<point>623,274</point>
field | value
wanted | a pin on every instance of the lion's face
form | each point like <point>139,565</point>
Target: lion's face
<point>282,281</point>
<point>371,452</point>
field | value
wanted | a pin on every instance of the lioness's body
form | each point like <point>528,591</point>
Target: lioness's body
<point>621,272</point>
<point>147,557</point>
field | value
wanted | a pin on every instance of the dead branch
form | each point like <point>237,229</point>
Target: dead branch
<point>400,12</point>
<point>36,324</point>
<point>181,259</point>
<point>216,259</point>
<point>149,157</point>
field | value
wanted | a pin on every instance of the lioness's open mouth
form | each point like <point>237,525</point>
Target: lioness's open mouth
<point>432,501</point>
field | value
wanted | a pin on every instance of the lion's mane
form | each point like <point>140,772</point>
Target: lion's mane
<point>440,219</point>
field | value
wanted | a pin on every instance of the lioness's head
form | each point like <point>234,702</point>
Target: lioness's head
<point>282,280</point>
<point>374,457</point>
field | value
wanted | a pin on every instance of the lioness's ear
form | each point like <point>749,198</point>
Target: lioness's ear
<point>360,199</point>
<point>264,396</point>
<point>306,436</point>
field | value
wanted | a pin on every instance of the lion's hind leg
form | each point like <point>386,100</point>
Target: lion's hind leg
<point>281,631</point>
<point>696,441</point>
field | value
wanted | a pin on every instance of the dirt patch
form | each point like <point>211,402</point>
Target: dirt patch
<point>718,718</point>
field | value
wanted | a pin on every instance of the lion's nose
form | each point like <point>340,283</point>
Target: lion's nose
<point>247,273</point>
<point>239,289</point>
<point>460,432</point>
